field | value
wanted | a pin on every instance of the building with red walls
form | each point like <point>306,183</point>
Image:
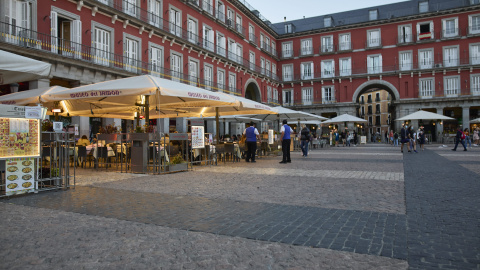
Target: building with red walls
<point>424,53</point>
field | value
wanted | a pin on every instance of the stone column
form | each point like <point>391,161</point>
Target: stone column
<point>211,127</point>
<point>83,123</point>
<point>466,117</point>
<point>181,124</point>
<point>163,125</point>
<point>39,83</point>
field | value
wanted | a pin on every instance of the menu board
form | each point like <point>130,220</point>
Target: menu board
<point>198,137</point>
<point>270,136</point>
<point>20,174</point>
<point>19,137</point>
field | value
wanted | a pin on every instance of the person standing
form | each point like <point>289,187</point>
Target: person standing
<point>404,138</point>
<point>476,137</point>
<point>459,139</point>
<point>251,133</point>
<point>421,139</point>
<point>355,138</point>
<point>395,139</point>
<point>285,138</point>
<point>337,138</point>
<point>391,136</point>
<point>467,138</point>
<point>305,139</point>
<point>412,137</point>
<point>349,138</point>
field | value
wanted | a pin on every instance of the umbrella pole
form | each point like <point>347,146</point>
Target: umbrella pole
<point>217,124</point>
<point>147,110</point>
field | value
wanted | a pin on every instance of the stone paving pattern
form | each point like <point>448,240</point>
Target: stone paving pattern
<point>340,208</point>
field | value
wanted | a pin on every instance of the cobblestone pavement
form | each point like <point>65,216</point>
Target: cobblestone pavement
<point>340,208</point>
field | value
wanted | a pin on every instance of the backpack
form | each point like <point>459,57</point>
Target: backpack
<point>395,135</point>
<point>463,136</point>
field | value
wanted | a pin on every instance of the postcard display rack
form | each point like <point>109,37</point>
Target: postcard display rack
<point>19,148</point>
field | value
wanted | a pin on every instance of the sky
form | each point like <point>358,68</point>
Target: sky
<point>276,10</point>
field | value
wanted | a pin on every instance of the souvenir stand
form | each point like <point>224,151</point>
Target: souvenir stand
<point>19,149</point>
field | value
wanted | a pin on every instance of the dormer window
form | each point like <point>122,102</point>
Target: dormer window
<point>373,15</point>
<point>288,28</point>
<point>423,7</point>
<point>327,21</point>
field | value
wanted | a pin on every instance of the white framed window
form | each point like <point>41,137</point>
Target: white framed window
<point>19,17</point>
<point>287,50</point>
<point>288,28</point>
<point>405,62</point>
<point>306,47</point>
<point>344,42</point>
<point>474,24</point>
<point>193,71</point>
<point>374,64</point>
<point>327,44</point>
<point>131,48</point>
<point>425,31</point>
<point>102,36</point>
<point>275,95</point>
<point>262,65</point>
<point>220,11</point>
<point>273,48</point>
<point>221,44</point>
<point>130,7</point>
<point>208,38</point>
<point>192,30</point>
<point>306,70</point>
<point>328,69</point>
<point>423,6</point>
<point>327,21</point>
<point>238,24</point>
<point>208,6</point>
<point>362,111</point>
<point>345,65</point>
<point>251,33</point>
<point>274,69</point>
<point>328,94</point>
<point>307,96</point>
<point>287,97</point>
<point>221,79</point>
<point>405,33</point>
<point>262,38</point>
<point>175,22</point>
<point>239,53</point>
<point>475,54</point>
<point>269,94</point>
<point>156,60</point>
<point>475,84</point>
<point>425,58</point>
<point>450,27</point>
<point>373,38</point>
<point>232,50</point>
<point>268,68</point>
<point>267,44</point>
<point>232,83</point>
<point>251,59</point>
<point>373,15</point>
<point>287,72</point>
<point>208,76</point>
<point>230,17</point>
<point>155,12</point>
<point>176,66</point>
<point>426,87</point>
<point>451,86</point>
<point>450,56</point>
<point>66,33</point>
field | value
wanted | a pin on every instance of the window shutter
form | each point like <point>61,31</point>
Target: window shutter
<point>418,31</point>
<point>380,63</point>
<point>77,37</point>
<point>24,15</point>
<point>456,26</point>
<point>53,31</point>
<point>431,30</point>
<point>154,59</point>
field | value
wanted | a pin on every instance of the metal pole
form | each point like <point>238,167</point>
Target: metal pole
<point>147,110</point>
<point>217,123</point>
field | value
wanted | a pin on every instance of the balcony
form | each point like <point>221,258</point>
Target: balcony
<point>311,101</point>
<point>306,51</point>
<point>377,99</point>
<point>369,100</point>
<point>240,29</point>
<point>208,8</point>
<point>286,54</point>
<point>327,49</point>
<point>373,43</point>
<point>345,47</point>
<point>253,39</point>
<point>451,33</point>
<point>220,16</point>
<point>405,39</point>
<point>473,30</point>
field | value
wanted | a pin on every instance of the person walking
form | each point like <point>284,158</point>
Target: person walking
<point>459,139</point>
<point>476,137</point>
<point>305,139</point>
<point>421,139</point>
<point>349,138</point>
<point>395,139</point>
<point>412,138</point>
<point>468,141</point>
<point>285,138</point>
<point>403,137</point>
<point>391,137</point>
<point>337,138</point>
<point>355,138</point>
<point>251,134</point>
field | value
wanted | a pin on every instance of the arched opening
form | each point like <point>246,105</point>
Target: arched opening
<point>375,101</point>
<point>252,91</point>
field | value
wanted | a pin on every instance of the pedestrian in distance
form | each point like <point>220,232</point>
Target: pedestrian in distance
<point>467,138</point>
<point>391,136</point>
<point>344,138</point>
<point>421,139</point>
<point>459,138</point>
<point>395,139</point>
<point>285,138</point>
<point>412,139</point>
<point>251,134</point>
<point>355,138</point>
<point>304,139</point>
<point>404,137</point>
<point>337,138</point>
<point>476,137</point>
<point>349,138</point>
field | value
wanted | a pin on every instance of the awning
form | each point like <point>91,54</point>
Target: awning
<point>15,68</point>
<point>424,115</point>
<point>344,118</point>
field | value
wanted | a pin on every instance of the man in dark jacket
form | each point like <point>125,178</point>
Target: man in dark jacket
<point>305,138</point>
<point>459,139</point>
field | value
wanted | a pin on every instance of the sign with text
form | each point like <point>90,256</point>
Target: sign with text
<point>178,136</point>
<point>197,122</point>
<point>57,126</point>
<point>198,137</point>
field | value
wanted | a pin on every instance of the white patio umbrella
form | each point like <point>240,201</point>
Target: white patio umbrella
<point>475,121</point>
<point>29,97</point>
<point>16,68</point>
<point>289,114</point>
<point>424,115</point>
<point>344,118</point>
<point>231,118</point>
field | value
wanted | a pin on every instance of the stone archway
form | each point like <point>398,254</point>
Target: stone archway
<point>376,84</point>
<point>252,90</point>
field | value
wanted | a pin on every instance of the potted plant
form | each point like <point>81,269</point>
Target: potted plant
<point>176,164</point>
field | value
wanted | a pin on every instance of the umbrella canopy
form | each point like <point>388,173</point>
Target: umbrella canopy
<point>310,122</point>
<point>120,98</point>
<point>424,115</point>
<point>29,97</point>
<point>15,68</point>
<point>284,113</point>
<point>344,118</point>
<point>475,121</point>
<point>232,118</point>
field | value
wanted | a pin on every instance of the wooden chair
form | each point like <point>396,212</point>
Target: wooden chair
<point>230,151</point>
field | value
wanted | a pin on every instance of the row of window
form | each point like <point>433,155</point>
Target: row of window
<point>451,58</point>
<point>425,31</point>
<point>426,89</point>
